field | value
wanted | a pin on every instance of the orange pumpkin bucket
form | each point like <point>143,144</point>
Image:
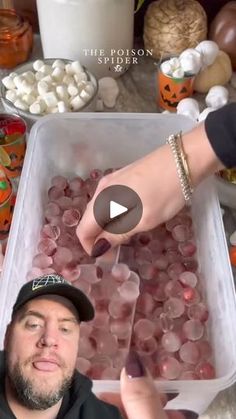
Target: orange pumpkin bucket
<point>12,144</point>
<point>6,212</point>
<point>172,90</point>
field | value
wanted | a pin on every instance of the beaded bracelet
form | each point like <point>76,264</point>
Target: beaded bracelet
<point>175,143</point>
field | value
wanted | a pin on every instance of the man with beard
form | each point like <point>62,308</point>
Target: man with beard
<point>38,376</point>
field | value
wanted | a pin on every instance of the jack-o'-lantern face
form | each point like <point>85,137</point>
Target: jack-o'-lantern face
<point>172,91</point>
<point>6,212</point>
<point>16,152</point>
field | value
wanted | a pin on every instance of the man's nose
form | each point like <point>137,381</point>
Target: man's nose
<point>49,337</point>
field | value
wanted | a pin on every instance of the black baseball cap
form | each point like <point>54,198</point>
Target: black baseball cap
<point>55,284</point>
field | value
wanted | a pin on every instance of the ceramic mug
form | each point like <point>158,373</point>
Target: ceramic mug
<point>172,90</point>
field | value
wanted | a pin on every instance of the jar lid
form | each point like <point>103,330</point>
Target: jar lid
<point>11,24</point>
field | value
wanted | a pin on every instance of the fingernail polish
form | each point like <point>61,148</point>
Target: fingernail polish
<point>100,247</point>
<point>133,366</point>
<point>171,396</point>
<point>188,414</point>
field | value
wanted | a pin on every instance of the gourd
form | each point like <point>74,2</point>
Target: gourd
<point>171,26</point>
<point>223,30</point>
<point>218,73</point>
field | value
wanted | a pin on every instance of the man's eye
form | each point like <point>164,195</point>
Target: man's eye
<point>33,326</point>
<point>65,329</point>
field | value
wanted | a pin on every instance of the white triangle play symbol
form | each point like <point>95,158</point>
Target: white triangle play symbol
<point>116,209</point>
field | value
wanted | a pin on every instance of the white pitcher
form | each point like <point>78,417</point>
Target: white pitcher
<point>97,32</point>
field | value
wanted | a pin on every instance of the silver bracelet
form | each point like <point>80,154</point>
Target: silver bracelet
<point>175,143</point>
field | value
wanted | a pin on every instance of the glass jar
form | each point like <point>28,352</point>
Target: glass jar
<point>97,32</point>
<point>16,36</point>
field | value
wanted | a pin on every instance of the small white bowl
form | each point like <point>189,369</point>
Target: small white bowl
<point>30,118</point>
<point>226,192</point>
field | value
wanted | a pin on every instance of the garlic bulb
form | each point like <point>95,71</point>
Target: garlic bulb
<point>189,107</point>
<point>209,51</point>
<point>217,97</point>
<point>108,91</point>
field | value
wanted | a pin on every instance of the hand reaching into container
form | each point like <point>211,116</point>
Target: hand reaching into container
<point>139,398</point>
<point>154,178</point>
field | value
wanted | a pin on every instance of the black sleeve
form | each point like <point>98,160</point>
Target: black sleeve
<point>220,127</point>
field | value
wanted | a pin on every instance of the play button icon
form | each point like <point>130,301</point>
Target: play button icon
<point>118,209</point>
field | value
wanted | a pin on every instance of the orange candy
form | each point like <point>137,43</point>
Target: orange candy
<point>232,255</point>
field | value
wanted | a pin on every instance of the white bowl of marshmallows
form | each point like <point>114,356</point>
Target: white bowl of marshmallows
<point>49,86</point>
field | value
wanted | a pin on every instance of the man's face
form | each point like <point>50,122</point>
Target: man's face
<point>41,349</point>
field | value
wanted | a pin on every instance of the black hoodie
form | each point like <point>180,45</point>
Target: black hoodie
<point>221,131</point>
<point>78,403</point>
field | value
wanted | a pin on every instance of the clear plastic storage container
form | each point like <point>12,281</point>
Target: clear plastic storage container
<point>70,144</point>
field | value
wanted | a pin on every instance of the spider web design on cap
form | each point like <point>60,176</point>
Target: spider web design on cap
<point>45,280</point>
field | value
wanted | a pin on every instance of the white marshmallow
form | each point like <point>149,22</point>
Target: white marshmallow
<point>217,97</point>
<point>68,79</point>
<point>232,239</point>
<point>34,91</point>
<point>58,74</point>
<point>29,99</point>
<point>79,77</point>
<point>72,90</point>
<point>48,79</point>
<point>38,107</point>
<point>204,114</point>
<point>43,87</point>
<point>166,68</point>
<point>81,86</point>
<point>50,99</point>
<point>18,80</point>
<point>35,108</point>
<point>85,95</point>
<point>62,107</point>
<point>12,75</point>
<point>89,87</point>
<point>174,63</point>
<point>76,67</point>
<point>46,69</point>
<point>189,107</point>
<point>29,77</point>
<point>25,87</point>
<point>11,95</point>
<point>20,104</point>
<point>62,93</point>
<point>69,69</point>
<point>37,65</point>
<point>52,110</point>
<point>178,73</point>
<point>77,103</point>
<point>39,76</point>
<point>8,82</point>
<point>58,64</point>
